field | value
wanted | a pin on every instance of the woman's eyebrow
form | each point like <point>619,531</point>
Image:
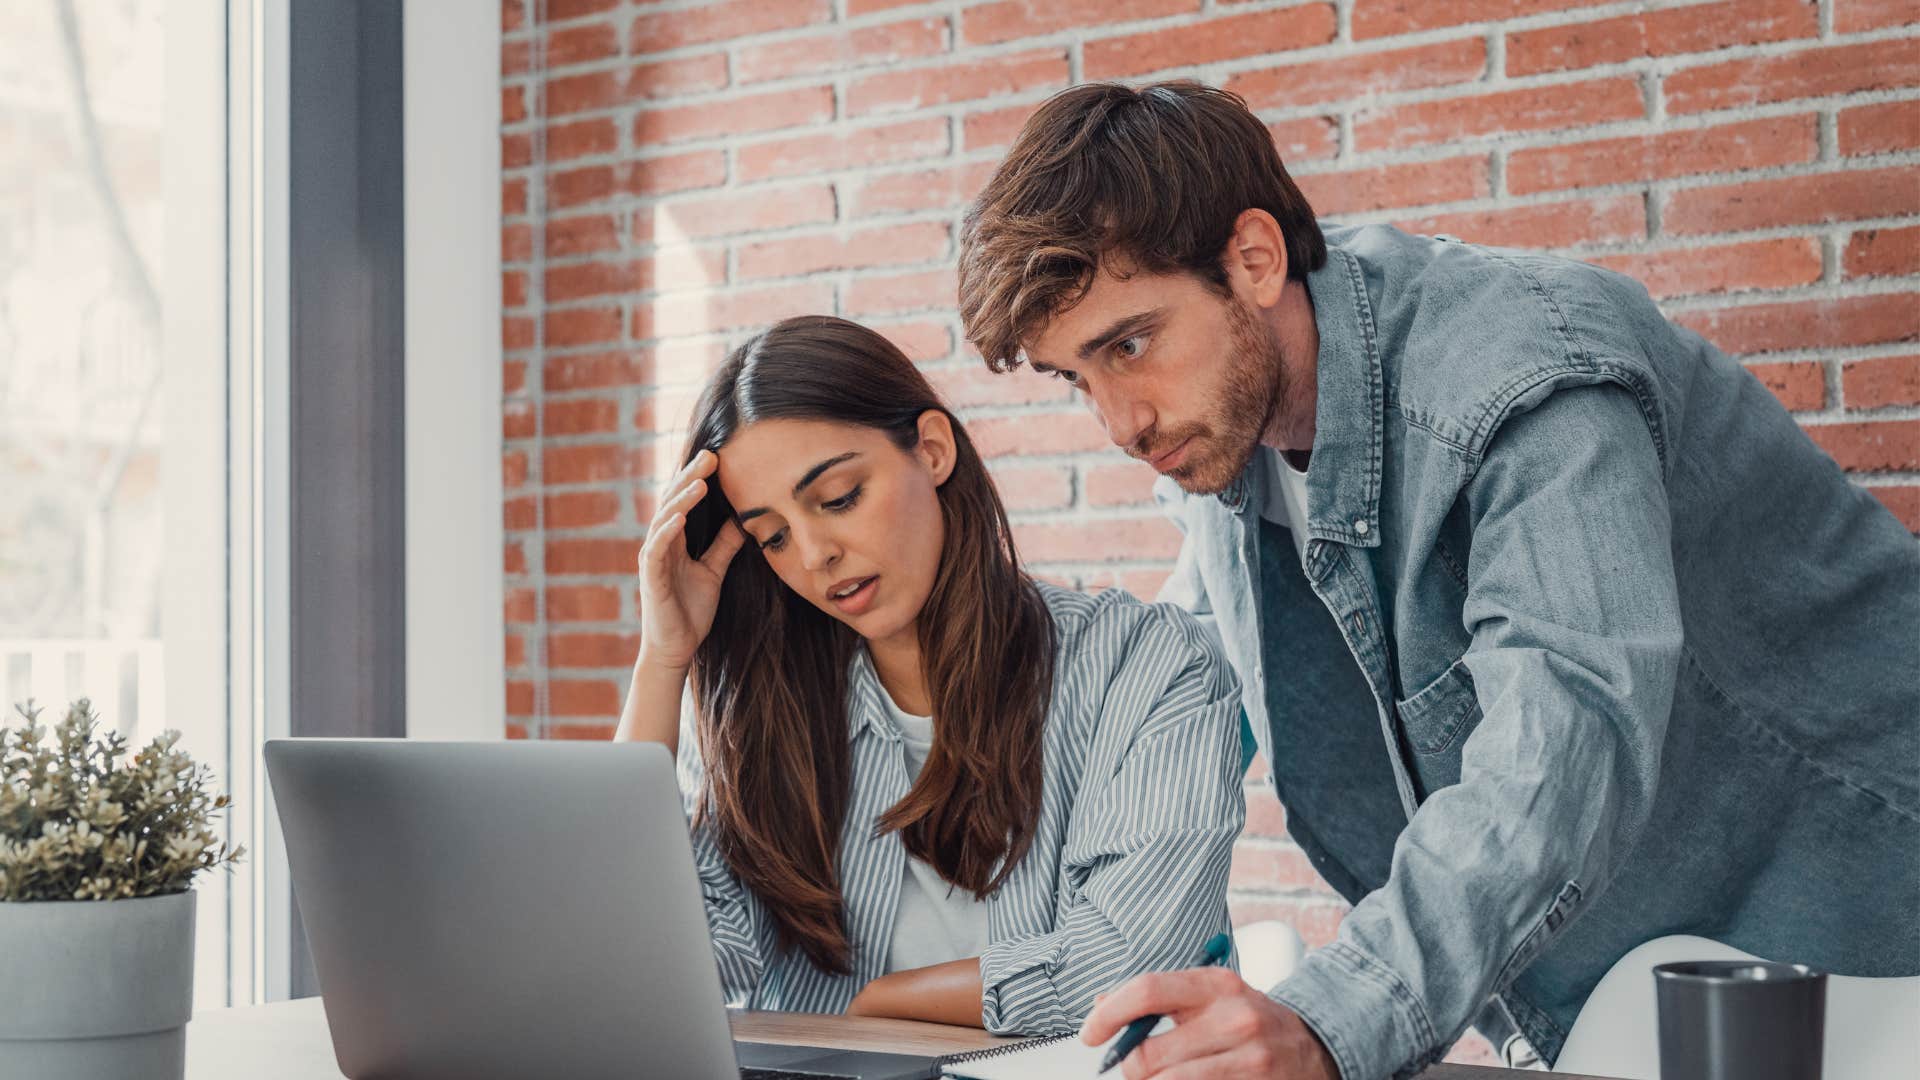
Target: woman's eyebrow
<point>814,473</point>
<point>809,477</point>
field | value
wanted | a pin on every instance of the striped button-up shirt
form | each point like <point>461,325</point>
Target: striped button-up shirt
<point>1140,807</point>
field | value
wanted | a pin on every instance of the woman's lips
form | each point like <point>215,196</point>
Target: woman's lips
<point>860,599</point>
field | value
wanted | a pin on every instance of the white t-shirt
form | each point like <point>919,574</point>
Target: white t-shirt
<point>1286,492</point>
<point>935,922</point>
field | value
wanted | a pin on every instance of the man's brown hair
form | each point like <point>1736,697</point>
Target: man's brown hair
<point>1154,177</point>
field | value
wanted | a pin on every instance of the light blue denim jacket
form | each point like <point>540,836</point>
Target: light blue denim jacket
<point>1591,644</point>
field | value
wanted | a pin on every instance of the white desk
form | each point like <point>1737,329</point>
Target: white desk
<point>289,1041</point>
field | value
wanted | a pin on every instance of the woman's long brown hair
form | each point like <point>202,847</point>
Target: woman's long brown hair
<point>771,679</point>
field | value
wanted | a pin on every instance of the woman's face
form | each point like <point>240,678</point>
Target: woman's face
<point>846,518</point>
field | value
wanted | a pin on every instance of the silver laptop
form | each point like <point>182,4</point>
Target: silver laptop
<point>514,909</point>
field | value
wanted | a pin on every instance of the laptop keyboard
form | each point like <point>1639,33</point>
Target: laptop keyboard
<point>750,1073</point>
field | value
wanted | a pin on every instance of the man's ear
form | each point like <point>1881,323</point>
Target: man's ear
<point>937,450</point>
<point>1256,258</point>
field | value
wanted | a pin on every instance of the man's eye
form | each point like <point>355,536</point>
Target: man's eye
<point>1132,347</point>
<point>1071,378</point>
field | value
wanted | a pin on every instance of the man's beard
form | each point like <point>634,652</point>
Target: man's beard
<point>1247,401</point>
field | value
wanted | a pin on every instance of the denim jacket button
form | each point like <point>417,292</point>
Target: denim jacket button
<point>1360,527</point>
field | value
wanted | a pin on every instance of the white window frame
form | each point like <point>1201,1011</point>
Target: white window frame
<point>456,659</point>
<point>228,296</point>
<point>225,347</point>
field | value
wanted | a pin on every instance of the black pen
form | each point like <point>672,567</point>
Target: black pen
<point>1136,1032</point>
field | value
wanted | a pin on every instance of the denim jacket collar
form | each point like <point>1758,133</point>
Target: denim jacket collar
<point>1343,486</point>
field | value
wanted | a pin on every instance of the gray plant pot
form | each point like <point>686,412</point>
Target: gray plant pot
<point>96,989</point>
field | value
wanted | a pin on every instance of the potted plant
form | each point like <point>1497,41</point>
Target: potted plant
<point>98,853</point>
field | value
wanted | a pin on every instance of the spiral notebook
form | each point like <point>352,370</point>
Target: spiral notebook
<point>1056,1057</point>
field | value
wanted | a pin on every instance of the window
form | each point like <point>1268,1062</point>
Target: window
<point>160,552</point>
<point>131,390</point>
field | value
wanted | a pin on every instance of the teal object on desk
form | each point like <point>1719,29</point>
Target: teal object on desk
<point>1136,1032</point>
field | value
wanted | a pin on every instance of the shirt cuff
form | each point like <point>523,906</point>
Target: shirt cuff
<point>1363,1013</point>
<point>1016,985</point>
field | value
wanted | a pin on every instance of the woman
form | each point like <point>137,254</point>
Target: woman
<point>923,785</point>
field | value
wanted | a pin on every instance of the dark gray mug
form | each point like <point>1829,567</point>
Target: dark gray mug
<point>1740,1020</point>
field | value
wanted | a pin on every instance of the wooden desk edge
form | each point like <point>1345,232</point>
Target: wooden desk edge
<point>858,1033</point>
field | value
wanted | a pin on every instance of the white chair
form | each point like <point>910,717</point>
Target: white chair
<point>1873,1025</point>
<point>1269,951</point>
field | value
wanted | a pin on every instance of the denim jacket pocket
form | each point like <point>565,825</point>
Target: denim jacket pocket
<point>1437,718</point>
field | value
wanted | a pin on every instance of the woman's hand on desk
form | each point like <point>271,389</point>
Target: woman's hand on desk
<point>679,593</point>
<point>946,993</point>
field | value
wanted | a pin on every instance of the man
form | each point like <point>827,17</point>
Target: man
<point>1557,632</point>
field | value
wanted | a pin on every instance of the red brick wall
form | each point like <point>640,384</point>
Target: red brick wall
<point>680,173</point>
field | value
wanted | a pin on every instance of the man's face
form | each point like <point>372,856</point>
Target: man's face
<point>1181,377</point>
